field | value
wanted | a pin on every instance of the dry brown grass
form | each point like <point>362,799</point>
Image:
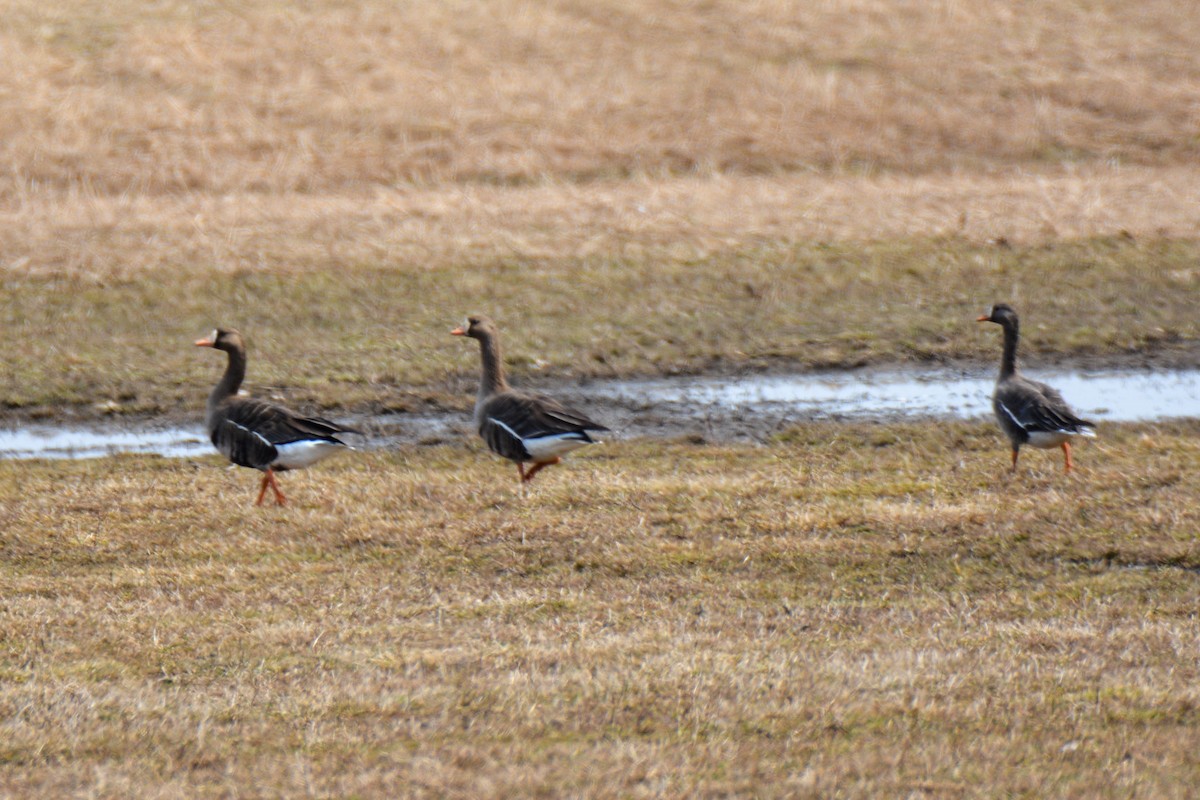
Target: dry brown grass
<point>99,237</point>
<point>861,610</point>
<point>123,96</point>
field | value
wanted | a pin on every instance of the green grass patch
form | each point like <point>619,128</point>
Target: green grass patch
<point>373,337</point>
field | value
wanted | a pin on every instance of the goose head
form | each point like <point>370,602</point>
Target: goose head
<point>226,339</point>
<point>1001,314</point>
<point>476,327</point>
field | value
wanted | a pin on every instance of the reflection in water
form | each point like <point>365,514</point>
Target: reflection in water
<point>775,399</point>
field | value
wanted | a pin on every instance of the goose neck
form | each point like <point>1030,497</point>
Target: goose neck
<point>1008,361</point>
<point>493,379</point>
<point>231,381</point>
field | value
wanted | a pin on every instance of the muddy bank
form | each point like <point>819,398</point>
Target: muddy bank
<point>714,408</point>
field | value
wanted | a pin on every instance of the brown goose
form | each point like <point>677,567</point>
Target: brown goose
<point>519,426</point>
<point>260,435</point>
<point>1030,412</point>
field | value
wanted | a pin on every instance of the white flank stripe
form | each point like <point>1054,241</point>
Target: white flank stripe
<point>511,432</point>
<point>1011,416</point>
<point>255,434</point>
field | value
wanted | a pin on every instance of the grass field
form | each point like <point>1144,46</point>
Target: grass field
<point>861,610</point>
<point>226,96</point>
<point>629,188</point>
<point>372,337</point>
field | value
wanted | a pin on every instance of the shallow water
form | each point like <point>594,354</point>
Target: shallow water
<point>1101,395</point>
<point>746,407</point>
<point>47,441</point>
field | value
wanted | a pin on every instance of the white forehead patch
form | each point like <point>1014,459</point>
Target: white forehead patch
<point>212,337</point>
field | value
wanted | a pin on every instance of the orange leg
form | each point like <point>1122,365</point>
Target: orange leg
<point>1066,447</point>
<point>526,477</point>
<point>1016,452</point>
<point>269,480</point>
<point>279,498</point>
<point>262,492</point>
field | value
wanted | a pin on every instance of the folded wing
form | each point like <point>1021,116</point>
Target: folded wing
<point>250,433</point>
<point>525,427</point>
<point>1038,408</point>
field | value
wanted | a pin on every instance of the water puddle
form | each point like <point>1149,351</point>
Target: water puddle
<point>724,409</point>
<point>1114,396</point>
<point>47,441</point>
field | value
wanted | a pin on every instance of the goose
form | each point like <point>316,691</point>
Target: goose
<point>261,435</point>
<point>1030,412</point>
<point>522,427</point>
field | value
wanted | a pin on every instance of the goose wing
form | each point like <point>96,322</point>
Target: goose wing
<point>242,445</point>
<point>279,425</point>
<point>249,432</point>
<point>318,428</point>
<point>1039,408</point>
<point>511,421</point>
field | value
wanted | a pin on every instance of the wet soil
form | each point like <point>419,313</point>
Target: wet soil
<point>718,408</point>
